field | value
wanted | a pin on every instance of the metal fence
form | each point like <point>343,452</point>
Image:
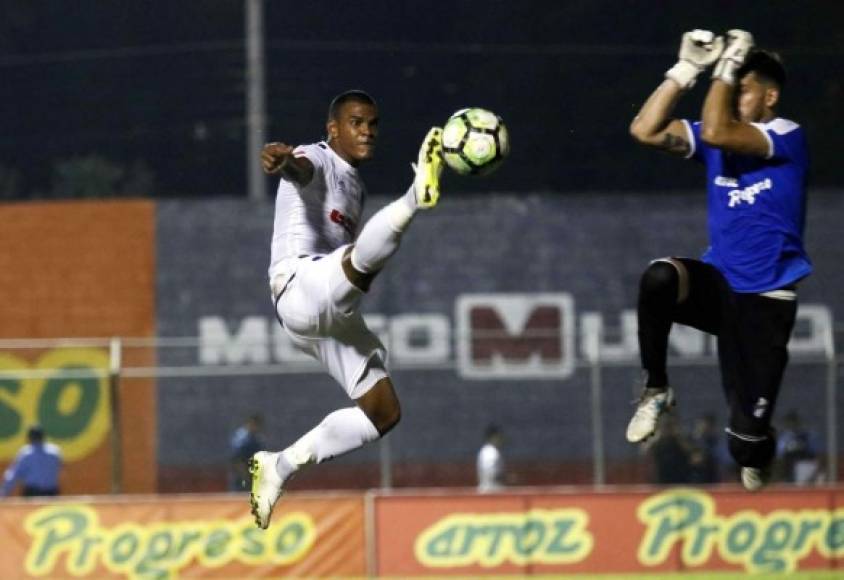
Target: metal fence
<point>557,431</point>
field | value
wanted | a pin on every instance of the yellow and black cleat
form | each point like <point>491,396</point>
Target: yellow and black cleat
<point>429,167</point>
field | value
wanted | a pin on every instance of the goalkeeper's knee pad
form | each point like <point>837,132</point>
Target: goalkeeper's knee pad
<point>659,283</point>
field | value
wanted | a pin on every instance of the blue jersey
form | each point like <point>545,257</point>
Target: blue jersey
<point>37,465</point>
<point>757,208</point>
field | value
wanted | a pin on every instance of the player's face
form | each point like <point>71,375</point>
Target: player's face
<point>353,134</point>
<point>755,99</point>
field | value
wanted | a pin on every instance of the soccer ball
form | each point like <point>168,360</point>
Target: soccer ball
<point>475,141</point>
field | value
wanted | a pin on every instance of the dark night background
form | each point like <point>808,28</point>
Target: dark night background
<point>155,89</point>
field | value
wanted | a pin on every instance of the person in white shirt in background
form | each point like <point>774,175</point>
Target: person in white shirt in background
<point>490,462</point>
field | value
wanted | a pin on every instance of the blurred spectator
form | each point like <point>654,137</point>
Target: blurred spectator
<point>37,466</point>
<point>670,452</point>
<point>705,446</point>
<point>490,462</point>
<point>245,443</point>
<point>798,452</point>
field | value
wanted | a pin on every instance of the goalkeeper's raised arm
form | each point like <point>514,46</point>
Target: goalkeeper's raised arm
<point>654,126</point>
<point>745,89</point>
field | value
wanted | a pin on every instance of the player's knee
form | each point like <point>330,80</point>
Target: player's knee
<point>391,421</point>
<point>659,280</point>
<point>381,406</point>
<point>386,418</point>
<point>360,279</point>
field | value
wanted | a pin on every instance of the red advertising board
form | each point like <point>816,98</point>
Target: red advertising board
<point>780,530</point>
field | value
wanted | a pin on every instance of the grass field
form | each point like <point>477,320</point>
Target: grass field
<point>810,575</point>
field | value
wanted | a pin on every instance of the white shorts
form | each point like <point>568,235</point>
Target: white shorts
<point>319,310</point>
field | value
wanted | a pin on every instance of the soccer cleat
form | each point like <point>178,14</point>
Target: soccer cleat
<point>266,486</point>
<point>429,166</point>
<point>755,478</point>
<point>651,404</point>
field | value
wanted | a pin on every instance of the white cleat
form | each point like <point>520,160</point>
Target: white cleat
<point>755,478</point>
<point>652,403</point>
<point>266,486</point>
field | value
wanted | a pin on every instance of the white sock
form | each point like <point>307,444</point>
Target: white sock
<point>380,237</point>
<point>409,197</point>
<point>342,431</point>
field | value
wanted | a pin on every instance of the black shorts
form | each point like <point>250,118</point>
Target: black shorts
<point>37,491</point>
<point>753,333</point>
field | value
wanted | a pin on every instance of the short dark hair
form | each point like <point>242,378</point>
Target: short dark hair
<point>766,64</point>
<point>492,430</point>
<point>353,95</point>
<point>35,434</point>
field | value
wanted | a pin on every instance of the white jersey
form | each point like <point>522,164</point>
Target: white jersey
<point>490,466</point>
<point>321,216</point>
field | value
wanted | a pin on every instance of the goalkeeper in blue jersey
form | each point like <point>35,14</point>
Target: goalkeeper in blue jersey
<point>744,288</point>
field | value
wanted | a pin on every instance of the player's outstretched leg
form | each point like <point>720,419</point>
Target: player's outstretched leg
<point>652,403</point>
<point>381,235</point>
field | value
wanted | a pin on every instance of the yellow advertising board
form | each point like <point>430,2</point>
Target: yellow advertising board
<point>172,537</point>
<point>78,269</point>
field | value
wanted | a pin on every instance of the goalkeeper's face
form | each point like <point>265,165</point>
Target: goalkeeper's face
<point>756,99</point>
<point>353,133</point>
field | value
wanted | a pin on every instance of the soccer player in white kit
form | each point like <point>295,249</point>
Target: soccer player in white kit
<point>320,268</point>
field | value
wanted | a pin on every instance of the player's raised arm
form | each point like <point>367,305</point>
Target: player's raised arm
<point>654,126</point>
<point>719,127</point>
<point>278,159</point>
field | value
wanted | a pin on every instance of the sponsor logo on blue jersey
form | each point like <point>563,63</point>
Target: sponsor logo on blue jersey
<point>749,193</point>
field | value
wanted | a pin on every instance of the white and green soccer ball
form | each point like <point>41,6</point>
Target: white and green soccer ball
<point>475,141</point>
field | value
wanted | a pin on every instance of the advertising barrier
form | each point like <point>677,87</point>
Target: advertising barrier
<point>676,529</point>
<point>438,533</point>
<point>209,536</point>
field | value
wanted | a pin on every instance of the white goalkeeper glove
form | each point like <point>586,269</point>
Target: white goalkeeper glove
<point>698,50</point>
<point>739,43</point>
